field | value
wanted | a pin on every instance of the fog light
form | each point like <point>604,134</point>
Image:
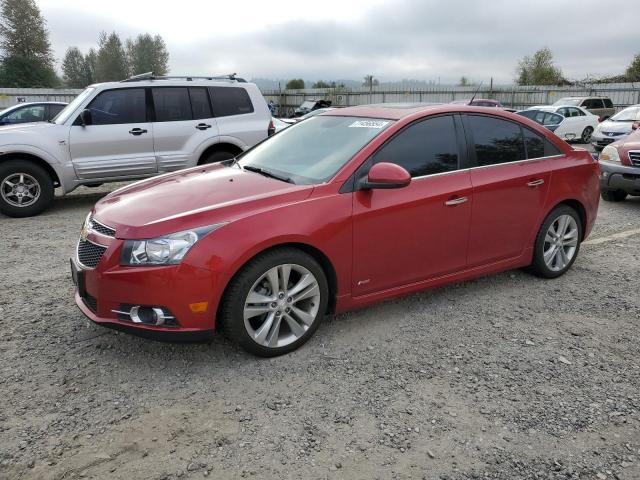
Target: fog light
<point>156,315</point>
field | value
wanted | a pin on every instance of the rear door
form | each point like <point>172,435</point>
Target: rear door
<point>183,123</point>
<point>421,231</point>
<point>510,185</point>
<point>119,141</point>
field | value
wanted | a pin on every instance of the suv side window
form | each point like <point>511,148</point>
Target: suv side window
<point>200,103</point>
<point>230,101</point>
<point>495,140</point>
<point>607,103</point>
<point>171,104</point>
<point>424,148</point>
<point>123,105</point>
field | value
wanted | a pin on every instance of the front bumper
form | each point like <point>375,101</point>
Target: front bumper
<point>599,141</point>
<point>614,176</point>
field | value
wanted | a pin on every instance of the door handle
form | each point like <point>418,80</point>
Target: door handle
<point>456,201</point>
<point>203,126</point>
<point>137,131</point>
<point>535,183</point>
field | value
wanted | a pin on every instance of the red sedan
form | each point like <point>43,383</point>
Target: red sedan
<point>351,207</point>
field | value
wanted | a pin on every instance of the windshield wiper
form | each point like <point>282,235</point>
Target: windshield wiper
<point>267,173</point>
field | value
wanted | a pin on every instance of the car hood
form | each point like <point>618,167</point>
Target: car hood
<point>192,198</point>
<point>611,126</point>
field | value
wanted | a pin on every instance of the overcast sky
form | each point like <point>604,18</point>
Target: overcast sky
<point>347,39</point>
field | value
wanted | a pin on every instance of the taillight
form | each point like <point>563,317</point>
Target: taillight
<point>272,128</point>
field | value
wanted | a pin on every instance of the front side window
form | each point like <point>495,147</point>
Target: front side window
<point>32,113</point>
<point>230,101</point>
<point>313,151</point>
<point>424,148</point>
<point>495,140</point>
<point>113,107</point>
<point>171,104</point>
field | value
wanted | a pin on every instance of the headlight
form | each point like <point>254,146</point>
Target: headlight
<point>609,154</point>
<point>167,250</point>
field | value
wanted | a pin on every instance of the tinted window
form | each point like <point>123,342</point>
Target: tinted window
<point>608,103</point>
<point>55,110</point>
<point>33,113</point>
<point>592,103</point>
<point>200,103</point>
<point>534,144</point>
<point>496,141</point>
<point>119,106</point>
<point>423,148</point>
<point>576,112</point>
<point>552,119</point>
<point>529,114</point>
<point>230,101</point>
<point>171,104</point>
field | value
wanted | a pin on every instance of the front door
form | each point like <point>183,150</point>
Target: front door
<point>420,231</point>
<point>119,140</point>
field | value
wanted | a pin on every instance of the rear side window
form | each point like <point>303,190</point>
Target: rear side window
<point>495,140</point>
<point>200,102</point>
<point>537,146</point>
<point>171,104</point>
<point>230,101</point>
<point>607,103</point>
<point>55,110</point>
<point>124,105</point>
<point>423,148</point>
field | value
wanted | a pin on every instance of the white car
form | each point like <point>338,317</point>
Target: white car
<point>616,127</point>
<point>578,123</point>
<point>129,130</point>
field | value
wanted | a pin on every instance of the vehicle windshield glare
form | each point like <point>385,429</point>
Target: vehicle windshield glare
<point>313,151</point>
<point>631,114</point>
<point>568,101</point>
<point>67,111</point>
<point>308,104</point>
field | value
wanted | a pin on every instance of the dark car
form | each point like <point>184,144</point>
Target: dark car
<point>309,106</point>
<point>30,112</point>
<point>620,168</point>
<point>547,119</point>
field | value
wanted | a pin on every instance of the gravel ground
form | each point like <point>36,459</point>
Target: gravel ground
<point>504,377</point>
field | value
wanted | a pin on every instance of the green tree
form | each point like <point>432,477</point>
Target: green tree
<point>539,69</point>
<point>370,81</point>
<point>111,60</point>
<point>633,70</point>
<point>74,69</point>
<point>90,62</point>
<point>295,84</point>
<point>147,54</point>
<point>321,84</point>
<point>464,82</point>
<point>27,60</point>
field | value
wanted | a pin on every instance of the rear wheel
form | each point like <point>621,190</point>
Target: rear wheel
<point>216,157</point>
<point>275,303</point>
<point>613,195</point>
<point>26,188</point>
<point>586,135</point>
<point>557,243</point>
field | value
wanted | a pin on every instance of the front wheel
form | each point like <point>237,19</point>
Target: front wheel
<point>557,243</point>
<point>26,189</point>
<point>275,303</point>
<point>586,135</point>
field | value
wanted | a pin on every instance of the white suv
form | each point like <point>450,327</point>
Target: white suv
<point>129,130</point>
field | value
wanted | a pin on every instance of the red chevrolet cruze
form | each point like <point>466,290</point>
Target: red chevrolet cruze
<point>345,209</point>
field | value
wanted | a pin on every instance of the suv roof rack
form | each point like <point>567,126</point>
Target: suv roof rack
<point>152,76</point>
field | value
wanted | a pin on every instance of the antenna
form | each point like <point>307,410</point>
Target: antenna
<point>474,94</point>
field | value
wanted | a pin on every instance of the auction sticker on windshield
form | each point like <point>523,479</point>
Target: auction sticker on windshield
<point>369,124</point>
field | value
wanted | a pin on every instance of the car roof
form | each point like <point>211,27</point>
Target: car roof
<point>398,111</point>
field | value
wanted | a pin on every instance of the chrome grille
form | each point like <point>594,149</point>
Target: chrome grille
<point>634,156</point>
<point>89,253</point>
<point>101,229</point>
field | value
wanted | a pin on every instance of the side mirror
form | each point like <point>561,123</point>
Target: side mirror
<point>385,175</point>
<point>635,126</point>
<point>85,117</point>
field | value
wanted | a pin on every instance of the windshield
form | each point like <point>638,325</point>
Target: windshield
<point>313,151</point>
<point>308,104</point>
<point>67,111</point>
<point>568,101</point>
<point>630,114</point>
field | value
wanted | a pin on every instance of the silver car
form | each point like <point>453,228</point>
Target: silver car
<point>616,127</point>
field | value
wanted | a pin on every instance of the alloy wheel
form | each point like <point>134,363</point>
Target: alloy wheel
<point>281,305</point>
<point>20,190</point>
<point>560,243</point>
<point>586,135</point>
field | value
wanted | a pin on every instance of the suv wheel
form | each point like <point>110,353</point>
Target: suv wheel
<point>216,157</point>
<point>613,195</point>
<point>26,189</point>
<point>558,243</point>
<point>275,303</point>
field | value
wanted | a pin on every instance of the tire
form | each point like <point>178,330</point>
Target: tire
<point>586,135</point>
<point>275,326</point>
<point>216,157</point>
<point>26,189</point>
<point>556,264</point>
<point>613,195</point>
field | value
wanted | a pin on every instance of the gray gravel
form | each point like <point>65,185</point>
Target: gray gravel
<point>504,377</point>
